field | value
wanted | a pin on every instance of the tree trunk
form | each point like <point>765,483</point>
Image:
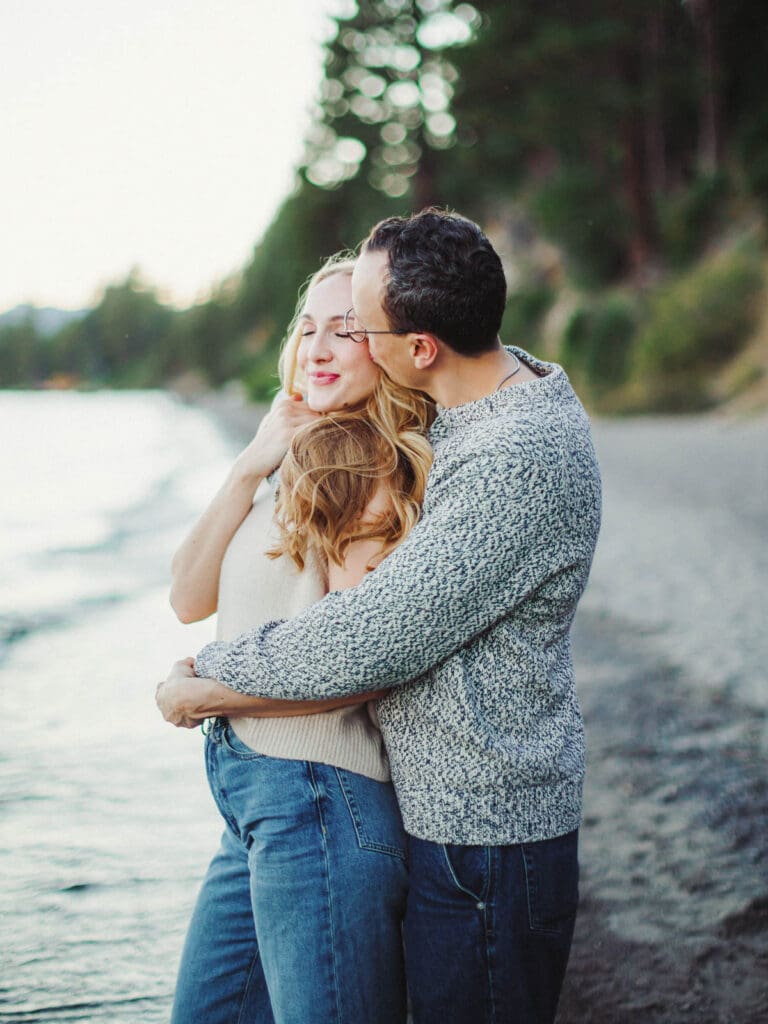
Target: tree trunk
<point>704,19</point>
<point>425,188</point>
<point>655,144</point>
<point>636,178</point>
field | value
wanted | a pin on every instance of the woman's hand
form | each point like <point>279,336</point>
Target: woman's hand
<point>273,438</point>
<point>180,695</point>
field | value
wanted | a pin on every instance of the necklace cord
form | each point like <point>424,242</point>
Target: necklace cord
<point>509,375</point>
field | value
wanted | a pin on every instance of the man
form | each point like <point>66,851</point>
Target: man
<point>468,622</point>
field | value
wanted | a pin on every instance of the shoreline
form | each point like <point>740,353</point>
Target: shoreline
<point>228,407</point>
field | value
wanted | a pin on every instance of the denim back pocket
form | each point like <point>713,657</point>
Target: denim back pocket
<point>552,883</point>
<point>374,812</point>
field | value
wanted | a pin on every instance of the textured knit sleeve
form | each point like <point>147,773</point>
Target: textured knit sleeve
<point>483,544</point>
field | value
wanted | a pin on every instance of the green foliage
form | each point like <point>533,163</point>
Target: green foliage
<point>596,346</point>
<point>688,217</point>
<point>261,378</point>
<point>574,208</point>
<point>386,97</point>
<point>695,324</point>
<point>754,150</point>
<point>526,307</point>
<point>25,355</point>
<point>113,341</point>
<point>611,124</point>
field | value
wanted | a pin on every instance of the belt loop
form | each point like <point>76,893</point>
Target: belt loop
<point>214,728</point>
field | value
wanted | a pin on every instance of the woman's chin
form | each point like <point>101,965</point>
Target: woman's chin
<point>325,403</point>
<point>336,402</point>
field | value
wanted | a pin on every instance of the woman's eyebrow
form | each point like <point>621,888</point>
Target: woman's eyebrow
<point>331,319</point>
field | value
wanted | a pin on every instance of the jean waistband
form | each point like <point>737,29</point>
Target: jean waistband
<point>214,728</point>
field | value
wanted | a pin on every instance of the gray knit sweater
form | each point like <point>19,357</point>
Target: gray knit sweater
<point>468,621</point>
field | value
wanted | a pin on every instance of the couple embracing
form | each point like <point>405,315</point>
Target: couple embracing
<point>395,746</point>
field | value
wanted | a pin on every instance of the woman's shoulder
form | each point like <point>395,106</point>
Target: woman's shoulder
<point>379,505</point>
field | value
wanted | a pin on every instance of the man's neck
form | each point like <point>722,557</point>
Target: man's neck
<point>461,379</point>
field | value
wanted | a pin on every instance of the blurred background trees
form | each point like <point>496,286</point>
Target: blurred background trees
<point>617,155</point>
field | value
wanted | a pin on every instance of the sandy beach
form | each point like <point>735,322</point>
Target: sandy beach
<point>670,648</point>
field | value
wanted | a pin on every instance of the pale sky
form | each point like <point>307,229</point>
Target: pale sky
<point>154,133</point>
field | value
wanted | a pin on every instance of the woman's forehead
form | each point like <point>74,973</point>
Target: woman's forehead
<point>334,291</point>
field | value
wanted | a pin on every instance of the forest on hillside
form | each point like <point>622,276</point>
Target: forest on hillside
<point>617,155</point>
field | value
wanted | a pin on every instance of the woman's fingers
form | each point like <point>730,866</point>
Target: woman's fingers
<point>274,436</point>
<point>171,707</point>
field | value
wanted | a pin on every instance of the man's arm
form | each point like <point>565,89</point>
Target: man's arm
<point>185,700</point>
<point>479,549</point>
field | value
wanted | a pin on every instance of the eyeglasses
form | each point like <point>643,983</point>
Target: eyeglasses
<point>357,333</point>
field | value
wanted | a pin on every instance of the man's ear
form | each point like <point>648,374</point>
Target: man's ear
<point>424,349</point>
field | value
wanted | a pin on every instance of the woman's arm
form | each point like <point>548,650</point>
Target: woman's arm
<point>196,565</point>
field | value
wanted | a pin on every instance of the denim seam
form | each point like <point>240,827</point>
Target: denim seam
<point>488,916</point>
<point>362,841</point>
<point>477,898</point>
<point>218,791</point>
<point>321,822</point>
<point>244,1000</point>
<point>530,888</point>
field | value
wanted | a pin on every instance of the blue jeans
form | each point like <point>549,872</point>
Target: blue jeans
<point>299,917</point>
<point>488,930</point>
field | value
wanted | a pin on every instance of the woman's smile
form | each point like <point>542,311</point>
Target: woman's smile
<point>323,377</point>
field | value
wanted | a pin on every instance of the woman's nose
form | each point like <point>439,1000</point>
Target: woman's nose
<point>319,350</point>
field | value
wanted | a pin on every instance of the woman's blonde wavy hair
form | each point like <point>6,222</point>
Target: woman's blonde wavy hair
<point>337,464</point>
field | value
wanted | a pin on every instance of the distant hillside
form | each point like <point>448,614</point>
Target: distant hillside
<point>46,319</point>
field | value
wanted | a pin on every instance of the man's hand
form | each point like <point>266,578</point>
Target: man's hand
<point>181,694</point>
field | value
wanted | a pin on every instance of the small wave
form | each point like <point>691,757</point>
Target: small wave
<point>84,1011</point>
<point>14,628</point>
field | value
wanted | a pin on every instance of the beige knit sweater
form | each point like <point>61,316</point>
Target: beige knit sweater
<point>254,589</point>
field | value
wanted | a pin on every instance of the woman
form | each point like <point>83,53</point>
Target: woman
<point>299,916</point>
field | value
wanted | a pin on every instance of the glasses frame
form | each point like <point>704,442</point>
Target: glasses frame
<point>361,335</point>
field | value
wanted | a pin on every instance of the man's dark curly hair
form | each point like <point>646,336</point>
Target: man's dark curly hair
<point>445,278</point>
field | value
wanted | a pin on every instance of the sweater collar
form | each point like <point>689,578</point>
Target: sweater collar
<point>517,396</point>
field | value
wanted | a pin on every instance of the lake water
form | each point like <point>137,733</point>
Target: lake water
<point>107,825</point>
